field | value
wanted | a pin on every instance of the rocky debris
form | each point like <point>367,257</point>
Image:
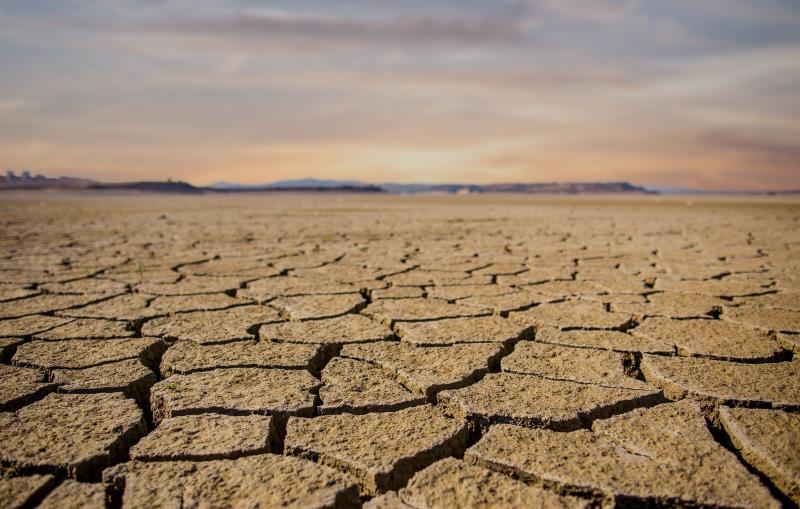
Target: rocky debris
<point>416,310</point>
<point>27,491</point>
<point>44,303</point>
<point>428,370</point>
<point>380,450</point>
<point>235,391</point>
<point>574,315</point>
<point>22,386</point>
<point>451,483</point>
<point>209,327</point>
<point>7,348</point>
<point>332,331</point>
<point>255,481</point>
<point>207,437</point>
<point>265,290</point>
<point>781,320</point>
<point>87,328</point>
<point>714,339</point>
<point>316,307</point>
<point>29,325</point>
<point>662,456</point>
<point>599,367</point>
<point>136,306</point>
<point>129,377</point>
<point>86,353</point>
<point>187,356</point>
<point>602,340</point>
<point>360,387</point>
<point>769,440</point>
<point>75,495</point>
<point>463,330</point>
<point>733,383</point>
<point>674,305</point>
<point>74,434</point>
<point>539,402</point>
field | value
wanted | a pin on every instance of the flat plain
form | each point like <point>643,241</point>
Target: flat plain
<point>414,352</point>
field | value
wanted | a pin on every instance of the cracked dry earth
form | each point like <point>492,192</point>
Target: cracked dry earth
<point>398,352</point>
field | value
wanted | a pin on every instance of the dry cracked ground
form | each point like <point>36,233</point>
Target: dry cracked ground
<point>398,352</point>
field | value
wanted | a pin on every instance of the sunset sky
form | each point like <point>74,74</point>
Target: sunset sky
<point>673,93</point>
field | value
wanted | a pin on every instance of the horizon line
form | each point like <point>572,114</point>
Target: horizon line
<point>352,182</point>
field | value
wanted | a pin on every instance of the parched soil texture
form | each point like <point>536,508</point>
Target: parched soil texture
<point>399,352</point>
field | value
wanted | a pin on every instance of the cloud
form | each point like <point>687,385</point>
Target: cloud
<point>446,89</point>
<point>581,8</point>
<point>777,153</point>
<point>322,30</point>
<point>12,104</point>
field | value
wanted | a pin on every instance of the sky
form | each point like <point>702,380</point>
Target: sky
<point>673,93</point>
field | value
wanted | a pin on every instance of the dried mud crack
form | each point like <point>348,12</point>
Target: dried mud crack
<point>391,352</point>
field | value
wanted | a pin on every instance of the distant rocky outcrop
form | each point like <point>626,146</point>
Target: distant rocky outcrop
<point>169,186</point>
<point>11,181</point>
<point>296,188</point>
<point>566,188</point>
<point>522,188</point>
<point>25,180</point>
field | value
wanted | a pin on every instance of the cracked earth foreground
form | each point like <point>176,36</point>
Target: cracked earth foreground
<point>398,352</point>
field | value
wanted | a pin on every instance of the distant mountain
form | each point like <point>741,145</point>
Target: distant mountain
<point>27,181</point>
<point>305,183</point>
<point>312,182</point>
<point>416,188</point>
<point>152,187</point>
<point>229,185</point>
<point>365,188</point>
<point>566,188</point>
<point>312,185</point>
<point>534,188</point>
<point>722,192</point>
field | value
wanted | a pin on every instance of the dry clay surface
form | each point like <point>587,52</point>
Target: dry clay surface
<point>398,352</point>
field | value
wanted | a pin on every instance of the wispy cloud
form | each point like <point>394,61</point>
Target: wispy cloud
<point>657,92</point>
<point>323,30</point>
